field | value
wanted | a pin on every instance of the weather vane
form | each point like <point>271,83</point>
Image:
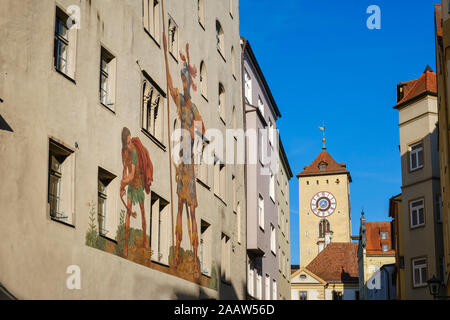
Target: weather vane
<point>322,128</point>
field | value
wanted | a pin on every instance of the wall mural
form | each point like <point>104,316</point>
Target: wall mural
<point>133,244</point>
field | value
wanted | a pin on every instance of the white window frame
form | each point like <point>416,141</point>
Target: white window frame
<point>415,211</point>
<point>273,240</point>
<point>419,282</point>
<point>267,287</point>
<point>261,217</point>
<point>248,86</point>
<point>416,155</point>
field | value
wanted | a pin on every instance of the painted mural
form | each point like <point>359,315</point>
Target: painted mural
<point>137,176</point>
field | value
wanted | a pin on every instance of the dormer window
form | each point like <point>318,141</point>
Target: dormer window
<point>323,166</point>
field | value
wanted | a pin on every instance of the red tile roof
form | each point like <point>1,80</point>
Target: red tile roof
<point>332,167</point>
<point>338,262</point>
<point>373,238</point>
<point>414,88</point>
<point>438,19</point>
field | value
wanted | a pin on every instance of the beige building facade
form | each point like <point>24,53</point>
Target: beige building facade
<point>89,188</point>
<point>421,226</point>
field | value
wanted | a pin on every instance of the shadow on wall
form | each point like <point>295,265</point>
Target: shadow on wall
<point>4,125</point>
<point>5,294</point>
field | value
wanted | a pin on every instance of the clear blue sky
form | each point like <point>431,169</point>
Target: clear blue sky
<point>323,64</point>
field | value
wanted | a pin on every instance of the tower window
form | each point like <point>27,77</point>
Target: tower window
<point>323,166</point>
<point>324,227</point>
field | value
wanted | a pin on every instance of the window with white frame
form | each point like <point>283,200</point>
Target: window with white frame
<point>233,193</point>
<point>233,62</point>
<point>160,229</point>
<point>105,203</point>
<point>202,165</point>
<point>238,222</point>
<point>303,295</point>
<point>226,258</point>
<point>272,186</point>
<point>152,18</point>
<point>261,105</point>
<point>222,101</point>
<point>173,38</point>
<point>205,248</point>
<point>419,272</point>
<point>261,212</point>
<point>267,287</point>
<point>417,214</point>
<point>61,178</point>
<point>259,285</point>
<point>250,280</point>
<point>271,133</point>
<point>273,239</point>
<point>384,235</point>
<point>416,156</point>
<point>152,110</point>
<point>274,290</point>
<point>107,78</point>
<point>65,40</point>
<point>248,86</point>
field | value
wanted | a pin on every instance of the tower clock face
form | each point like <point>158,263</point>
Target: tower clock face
<point>323,204</point>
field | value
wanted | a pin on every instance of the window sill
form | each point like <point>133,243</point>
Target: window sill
<point>417,227</point>
<point>106,107</point>
<point>63,222</point>
<point>151,36</point>
<point>154,139</point>
<point>65,76</point>
<point>416,169</point>
<point>420,286</point>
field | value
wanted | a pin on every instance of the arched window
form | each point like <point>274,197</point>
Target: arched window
<point>201,12</point>
<point>324,227</point>
<point>222,101</point>
<point>233,62</point>
<point>152,113</point>
<point>220,37</point>
<point>203,80</point>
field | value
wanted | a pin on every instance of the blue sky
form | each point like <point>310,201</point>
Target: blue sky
<point>323,64</point>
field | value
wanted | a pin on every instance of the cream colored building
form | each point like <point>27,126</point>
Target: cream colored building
<point>442,26</point>
<point>421,222</point>
<point>67,95</point>
<point>324,206</point>
<point>284,242</point>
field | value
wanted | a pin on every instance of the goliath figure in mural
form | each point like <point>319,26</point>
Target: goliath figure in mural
<point>138,176</point>
<point>191,122</point>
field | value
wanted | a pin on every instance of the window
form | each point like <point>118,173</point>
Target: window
<point>107,78</point>
<point>271,133</point>
<point>220,38</point>
<point>261,212</point>
<point>416,156</point>
<point>419,272</point>
<point>324,227</point>
<point>231,8</point>
<point>417,216</point>
<point>205,248</point>
<point>272,186</point>
<point>173,38</point>
<point>151,18</point>
<point>160,222</point>
<point>203,166</point>
<point>203,80</point>
<point>233,63</point>
<point>238,222</point>
<point>152,109</point>
<point>273,239</point>
<point>226,259</point>
<point>233,187</point>
<point>61,183</point>
<point>337,295</point>
<point>267,287</point>
<point>274,290</point>
<point>251,280</point>
<point>259,285</point>
<point>384,235</point>
<point>261,105</point>
<point>64,55</point>
<point>105,203</point>
<point>303,295</point>
<point>221,101</point>
<point>248,86</point>
<point>385,247</point>
<point>323,167</point>
<point>219,179</point>
<point>201,12</point>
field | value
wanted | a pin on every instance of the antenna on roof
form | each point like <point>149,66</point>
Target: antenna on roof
<point>322,128</point>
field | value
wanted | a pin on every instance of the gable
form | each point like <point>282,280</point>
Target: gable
<point>304,276</point>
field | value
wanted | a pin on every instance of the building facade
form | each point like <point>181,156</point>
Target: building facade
<point>442,31</point>
<point>261,114</point>
<point>332,275</point>
<point>93,187</point>
<point>421,227</point>
<point>324,206</point>
<point>374,251</point>
<point>284,242</point>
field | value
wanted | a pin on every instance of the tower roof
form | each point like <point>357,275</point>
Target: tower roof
<point>410,90</point>
<point>338,262</point>
<point>324,164</point>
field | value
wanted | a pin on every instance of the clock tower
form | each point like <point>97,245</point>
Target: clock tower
<point>324,208</point>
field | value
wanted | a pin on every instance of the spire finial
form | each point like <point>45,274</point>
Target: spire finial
<point>322,128</point>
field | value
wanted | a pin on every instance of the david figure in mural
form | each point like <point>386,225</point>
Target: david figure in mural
<point>137,176</point>
<point>191,122</point>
